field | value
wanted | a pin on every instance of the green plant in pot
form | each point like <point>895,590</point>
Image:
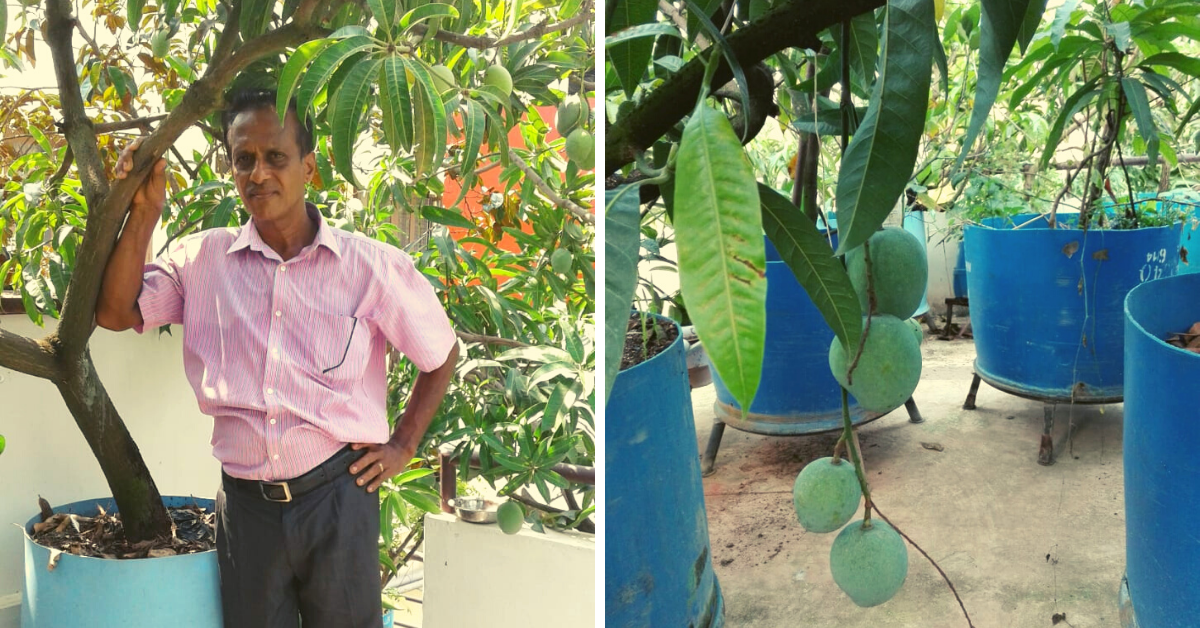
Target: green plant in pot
<point>680,136</point>
<point>63,208</point>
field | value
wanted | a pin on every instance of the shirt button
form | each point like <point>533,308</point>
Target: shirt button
<point>278,312</point>
<point>270,391</point>
<point>282,268</point>
<point>272,421</point>
<point>276,457</point>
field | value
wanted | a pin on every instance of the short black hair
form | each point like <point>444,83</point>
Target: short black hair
<point>253,99</point>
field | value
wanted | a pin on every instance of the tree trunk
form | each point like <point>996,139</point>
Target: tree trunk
<point>142,511</point>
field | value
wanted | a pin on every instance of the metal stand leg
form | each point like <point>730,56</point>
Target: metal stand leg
<point>930,323</point>
<point>969,404</point>
<point>710,452</point>
<point>914,415</point>
<point>1046,451</point>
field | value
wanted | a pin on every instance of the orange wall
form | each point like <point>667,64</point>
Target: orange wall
<point>472,204</point>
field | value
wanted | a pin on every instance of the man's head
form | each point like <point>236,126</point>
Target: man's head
<point>271,163</point>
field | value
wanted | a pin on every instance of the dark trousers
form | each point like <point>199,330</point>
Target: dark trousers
<point>315,558</point>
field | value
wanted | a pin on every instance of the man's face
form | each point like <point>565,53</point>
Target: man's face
<point>268,169</point>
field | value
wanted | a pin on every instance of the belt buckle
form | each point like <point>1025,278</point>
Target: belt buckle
<point>287,491</point>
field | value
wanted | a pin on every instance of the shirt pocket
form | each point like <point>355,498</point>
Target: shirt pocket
<point>340,346</point>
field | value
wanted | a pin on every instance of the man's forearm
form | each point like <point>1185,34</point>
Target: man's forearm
<point>423,402</point>
<point>117,307</point>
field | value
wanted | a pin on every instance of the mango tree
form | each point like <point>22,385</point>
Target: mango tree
<point>441,87</point>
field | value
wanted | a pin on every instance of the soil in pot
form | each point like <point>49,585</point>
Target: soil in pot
<point>103,535</point>
<point>646,337</point>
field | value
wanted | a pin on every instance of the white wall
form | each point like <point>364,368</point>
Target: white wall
<point>46,455</point>
<point>942,251</point>
<point>475,575</point>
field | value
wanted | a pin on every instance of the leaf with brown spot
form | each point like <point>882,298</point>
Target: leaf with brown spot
<point>1070,248</point>
<point>1101,255</point>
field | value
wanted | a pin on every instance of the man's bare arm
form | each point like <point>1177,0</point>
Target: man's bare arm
<point>117,307</point>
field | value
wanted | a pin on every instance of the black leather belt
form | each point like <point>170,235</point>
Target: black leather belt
<point>287,490</point>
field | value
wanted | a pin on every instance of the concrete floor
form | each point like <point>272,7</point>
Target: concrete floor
<point>1021,542</point>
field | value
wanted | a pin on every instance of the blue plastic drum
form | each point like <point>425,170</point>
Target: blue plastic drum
<point>797,393</point>
<point>1047,305</point>
<point>178,591</point>
<point>658,566</point>
<point>1162,477</point>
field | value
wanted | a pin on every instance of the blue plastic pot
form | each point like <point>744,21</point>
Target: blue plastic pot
<point>1188,202</point>
<point>1049,325</point>
<point>914,223</point>
<point>797,393</point>
<point>658,568</point>
<point>177,591</point>
<point>1162,436</point>
<point>960,272</point>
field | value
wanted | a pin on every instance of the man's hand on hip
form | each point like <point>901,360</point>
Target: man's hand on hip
<point>380,462</point>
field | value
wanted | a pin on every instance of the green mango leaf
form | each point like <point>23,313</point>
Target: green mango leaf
<point>1184,63</point>
<point>807,252</point>
<point>863,47</point>
<point>1033,17</point>
<point>351,99</point>
<point>396,103</point>
<point>255,16</point>
<point>221,214</point>
<point>719,41</point>
<point>630,59</point>
<point>1002,22</point>
<point>939,58</point>
<point>1061,17</point>
<point>722,258</point>
<point>446,217</point>
<point>1035,81</point>
<point>4,28</point>
<point>133,14</point>
<point>429,121</point>
<point>879,161</point>
<point>289,77</point>
<point>428,12</point>
<point>1120,35</point>
<point>828,122</point>
<point>1187,117</point>
<point>1135,94</point>
<point>323,67</point>
<point>653,29</point>
<point>384,12</point>
<point>621,236</point>
<point>474,125</point>
<point>1074,103</point>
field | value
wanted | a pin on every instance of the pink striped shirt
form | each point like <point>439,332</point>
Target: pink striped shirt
<point>289,357</point>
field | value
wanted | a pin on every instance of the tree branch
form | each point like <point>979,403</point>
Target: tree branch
<point>77,127</point>
<point>483,43</point>
<point>580,213</point>
<point>794,23</point>
<point>28,356</point>
<point>83,32</point>
<point>123,125</point>
<point>490,340</point>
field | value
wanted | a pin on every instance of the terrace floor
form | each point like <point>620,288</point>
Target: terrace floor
<point>1021,542</point>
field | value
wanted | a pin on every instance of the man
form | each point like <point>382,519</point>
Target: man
<point>285,328</point>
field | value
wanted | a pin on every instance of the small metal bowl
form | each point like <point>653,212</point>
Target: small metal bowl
<point>474,509</point>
